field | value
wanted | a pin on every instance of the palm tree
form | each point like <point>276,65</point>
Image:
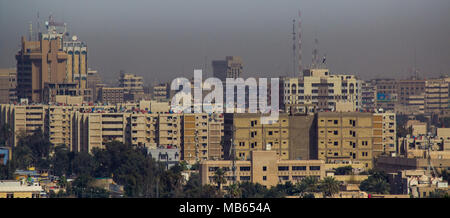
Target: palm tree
<point>234,191</point>
<point>329,186</point>
<point>219,178</point>
<point>308,185</point>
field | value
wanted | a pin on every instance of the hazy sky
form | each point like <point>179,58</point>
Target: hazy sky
<point>164,39</point>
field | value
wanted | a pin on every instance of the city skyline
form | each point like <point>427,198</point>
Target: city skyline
<point>161,41</point>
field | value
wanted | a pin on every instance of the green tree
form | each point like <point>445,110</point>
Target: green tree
<point>234,191</point>
<point>60,161</point>
<point>252,190</point>
<point>309,184</point>
<point>346,170</point>
<point>219,178</point>
<point>5,134</point>
<point>377,182</point>
<point>329,186</point>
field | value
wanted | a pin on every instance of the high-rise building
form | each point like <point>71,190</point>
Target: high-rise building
<point>38,63</point>
<point>132,85</point>
<point>161,92</point>
<point>345,137</point>
<point>93,79</point>
<point>77,62</point>
<point>8,85</point>
<point>324,91</point>
<point>437,95</point>
<point>202,137</point>
<point>231,67</point>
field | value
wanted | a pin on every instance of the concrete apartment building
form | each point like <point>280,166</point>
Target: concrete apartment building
<point>59,125</point>
<point>161,92</point>
<point>384,134</point>
<point>93,79</point>
<point>77,66</point>
<point>170,130</point>
<point>408,88</point>
<point>8,85</point>
<point>250,134</point>
<point>144,130</point>
<point>292,137</point>
<point>94,130</point>
<point>328,92</point>
<point>202,137</point>
<point>436,95</point>
<point>386,94</point>
<point>112,95</point>
<point>40,62</point>
<point>23,119</point>
<point>368,96</point>
<point>345,136</point>
<point>264,167</point>
<point>132,85</point>
<point>231,67</point>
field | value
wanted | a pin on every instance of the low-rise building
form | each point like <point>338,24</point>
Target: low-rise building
<point>265,167</point>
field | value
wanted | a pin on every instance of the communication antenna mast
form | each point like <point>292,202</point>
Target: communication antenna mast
<point>300,67</point>
<point>293,46</point>
<point>315,55</point>
<point>38,29</point>
<point>30,29</point>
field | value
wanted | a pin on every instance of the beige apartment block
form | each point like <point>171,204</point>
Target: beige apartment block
<point>23,119</point>
<point>250,134</point>
<point>112,95</point>
<point>144,129</point>
<point>8,85</point>
<point>328,92</point>
<point>202,138</point>
<point>264,167</point>
<point>170,126</point>
<point>94,130</point>
<point>345,136</point>
<point>39,62</point>
<point>436,95</point>
<point>384,134</point>
<point>59,125</point>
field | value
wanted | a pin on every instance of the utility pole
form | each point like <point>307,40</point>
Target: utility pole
<point>233,152</point>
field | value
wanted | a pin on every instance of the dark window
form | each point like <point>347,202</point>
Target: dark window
<point>296,168</point>
<point>314,168</point>
<point>244,168</point>
<point>283,168</point>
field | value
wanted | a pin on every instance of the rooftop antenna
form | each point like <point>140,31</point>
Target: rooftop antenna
<point>30,33</point>
<point>315,54</point>
<point>293,46</point>
<point>415,63</point>
<point>38,29</point>
<point>300,67</point>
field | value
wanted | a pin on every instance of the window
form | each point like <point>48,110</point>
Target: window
<point>245,178</point>
<point>264,168</point>
<point>244,168</point>
<point>298,168</point>
<point>264,178</point>
<point>283,168</point>
<point>314,168</point>
<point>283,178</point>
